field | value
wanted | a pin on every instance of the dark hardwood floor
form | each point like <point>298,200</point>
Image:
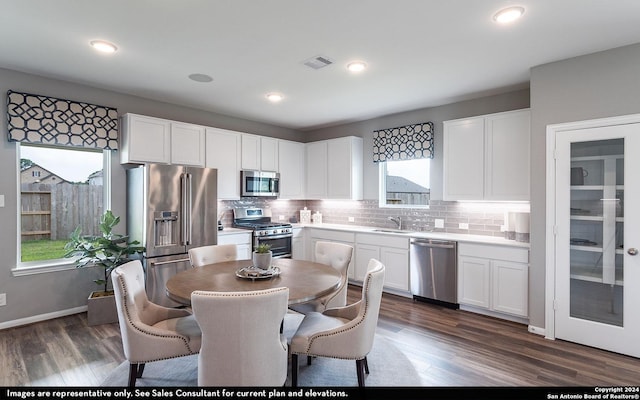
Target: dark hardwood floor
<point>447,348</point>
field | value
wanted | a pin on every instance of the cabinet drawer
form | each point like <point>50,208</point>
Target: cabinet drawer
<point>514,254</point>
<point>383,240</point>
<point>240,238</point>
<point>334,236</point>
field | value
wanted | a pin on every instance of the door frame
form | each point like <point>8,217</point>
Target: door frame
<point>550,230</point>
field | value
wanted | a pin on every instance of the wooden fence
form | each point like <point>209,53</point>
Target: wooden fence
<point>54,211</point>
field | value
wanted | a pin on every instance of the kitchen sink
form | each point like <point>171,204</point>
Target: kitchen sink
<point>391,231</point>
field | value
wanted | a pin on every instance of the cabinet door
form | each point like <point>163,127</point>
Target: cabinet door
<point>316,170</point>
<point>269,154</point>
<point>507,156</point>
<point>187,144</point>
<point>344,163</point>
<point>242,242</point>
<point>250,152</point>
<point>463,159</point>
<point>364,253</point>
<point>510,287</point>
<point>223,153</point>
<point>146,139</point>
<point>474,281</point>
<point>298,244</point>
<point>292,169</point>
<point>396,263</point>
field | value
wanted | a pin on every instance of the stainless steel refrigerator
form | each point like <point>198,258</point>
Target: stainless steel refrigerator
<point>170,209</point>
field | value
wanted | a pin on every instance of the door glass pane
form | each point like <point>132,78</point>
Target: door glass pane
<point>597,212</point>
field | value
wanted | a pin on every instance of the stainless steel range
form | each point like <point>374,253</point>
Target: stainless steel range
<point>278,235</point>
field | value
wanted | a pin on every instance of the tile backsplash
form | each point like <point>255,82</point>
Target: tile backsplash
<point>481,218</point>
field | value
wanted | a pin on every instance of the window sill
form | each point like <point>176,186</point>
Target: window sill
<point>43,267</point>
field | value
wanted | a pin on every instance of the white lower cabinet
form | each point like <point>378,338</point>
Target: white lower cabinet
<point>392,251</point>
<point>494,278</point>
<point>298,244</point>
<point>242,240</point>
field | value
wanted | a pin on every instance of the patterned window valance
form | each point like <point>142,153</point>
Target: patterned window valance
<point>403,143</point>
<point>47,120</point>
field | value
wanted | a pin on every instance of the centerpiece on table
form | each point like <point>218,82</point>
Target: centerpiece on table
<point>107,251</point>
<point>262,256</point>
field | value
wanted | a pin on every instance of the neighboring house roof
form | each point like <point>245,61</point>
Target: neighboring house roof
<point>37,174</point>
<point>398,184</point>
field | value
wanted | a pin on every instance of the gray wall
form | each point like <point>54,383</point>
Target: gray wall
<point>51,292</point>
<point>504,102</point>
<point>598,85</point>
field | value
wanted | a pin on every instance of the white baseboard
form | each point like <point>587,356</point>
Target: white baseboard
<point>537,330</point>
<point>42,317</point>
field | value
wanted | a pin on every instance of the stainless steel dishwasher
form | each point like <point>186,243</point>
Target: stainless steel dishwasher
<point>433,271</point>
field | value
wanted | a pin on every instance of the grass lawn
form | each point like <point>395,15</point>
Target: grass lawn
<point>36,250</point>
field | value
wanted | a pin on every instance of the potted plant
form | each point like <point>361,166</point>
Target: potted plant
<point>262,256</point>
<point>106,251</point>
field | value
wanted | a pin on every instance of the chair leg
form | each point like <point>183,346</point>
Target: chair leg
<point>141,370</point>
<point>133,374</point>
<point>294,370</point>
<point>366,366</point>
<point>135,371</point>
<point>309,358</point>
<point>360,370</point>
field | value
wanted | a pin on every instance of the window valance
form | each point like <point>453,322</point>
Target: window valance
<point>403,143</point>
<point>47,120</point>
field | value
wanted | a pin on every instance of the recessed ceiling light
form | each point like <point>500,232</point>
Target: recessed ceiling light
<point>274,97</point>
<point>357,66</point>
<point>103,46</point>
<point>200,78</point>
<point>509,14</point>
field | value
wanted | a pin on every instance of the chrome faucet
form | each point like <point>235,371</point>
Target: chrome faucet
<point>397,220</point>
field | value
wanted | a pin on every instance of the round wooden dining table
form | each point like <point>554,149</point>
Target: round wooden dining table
<point>306,280</point>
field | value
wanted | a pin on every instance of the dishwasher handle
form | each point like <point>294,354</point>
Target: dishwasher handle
<point>441,244</point>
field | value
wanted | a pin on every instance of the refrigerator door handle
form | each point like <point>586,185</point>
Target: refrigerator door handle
<point>153,264</point>
<point>183,203</point>
<point>188,208</point>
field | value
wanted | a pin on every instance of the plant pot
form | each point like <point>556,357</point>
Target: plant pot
<point>101,308</point>
<point>262,260</point>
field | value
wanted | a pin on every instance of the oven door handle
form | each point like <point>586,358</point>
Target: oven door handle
<point>260,238</point>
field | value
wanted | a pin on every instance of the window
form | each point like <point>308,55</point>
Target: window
<point>405,183</point>
<point>58,192</point>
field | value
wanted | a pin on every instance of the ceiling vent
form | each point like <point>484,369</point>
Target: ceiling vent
<point>317,62</point>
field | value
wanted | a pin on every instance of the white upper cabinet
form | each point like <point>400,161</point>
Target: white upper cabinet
<point>345,170</point>
<point>487,157</point>
<point>291,160</point>
<point>334,169</point>
<point>259,153</point>
<point>223,153</point>
<point>187,144</point>
<point>316,170</point>
<point>155,140</point>
<point>145,139</point>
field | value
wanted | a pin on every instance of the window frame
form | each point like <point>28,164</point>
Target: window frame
<point>58,264</point>
<point>382,191</point>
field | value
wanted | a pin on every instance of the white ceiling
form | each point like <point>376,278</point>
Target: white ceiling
<point>421,53</point>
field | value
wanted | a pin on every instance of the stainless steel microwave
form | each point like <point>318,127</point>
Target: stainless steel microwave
<point>260,183</point>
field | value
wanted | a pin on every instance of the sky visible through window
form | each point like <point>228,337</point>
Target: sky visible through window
<point>414,170</point>
<point>71,165</point>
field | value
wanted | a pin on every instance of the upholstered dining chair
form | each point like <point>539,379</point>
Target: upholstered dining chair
<point>199,256</point>
<point>345,332</point>
<point>149,331</point>
<point>338,256</point>
<point>242,342</point>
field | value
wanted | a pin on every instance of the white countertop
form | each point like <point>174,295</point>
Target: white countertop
<point>458,237</point>
<point>234,231</point>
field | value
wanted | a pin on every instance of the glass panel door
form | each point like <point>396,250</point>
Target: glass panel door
<point>597,212</point>
<point>596,231</point>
